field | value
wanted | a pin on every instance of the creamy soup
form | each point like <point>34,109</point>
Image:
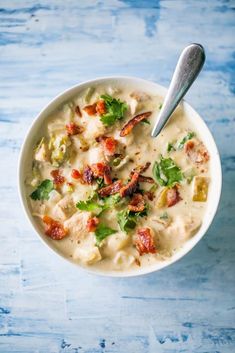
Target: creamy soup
<point>108,195</point>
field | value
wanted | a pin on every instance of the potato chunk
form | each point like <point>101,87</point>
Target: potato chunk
<point>87,255</point>
<point>200,188</point>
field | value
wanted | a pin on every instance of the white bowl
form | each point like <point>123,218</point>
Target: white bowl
<point>215,165</point>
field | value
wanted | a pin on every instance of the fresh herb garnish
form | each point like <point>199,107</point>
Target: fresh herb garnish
<point>91,205</point>
<point>146,121</point>
<point>170,147</point>
<point>115,110</point>
<point>102,232</point>
<point>166,172</point>
<point>97,206</point>
<point>127,219</point>
<point>160,106</point>
<point>189,136</point>
<point>111,201</point>
<point>100,182</point>
<point>43,190</point>
<point>164,216</point>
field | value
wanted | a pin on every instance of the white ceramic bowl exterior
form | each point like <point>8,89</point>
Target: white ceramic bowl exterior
<point>140,84</point>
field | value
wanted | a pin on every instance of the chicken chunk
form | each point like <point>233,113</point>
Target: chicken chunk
<point>77,224</point>
<point>180,230</point>
<point>64,209</point>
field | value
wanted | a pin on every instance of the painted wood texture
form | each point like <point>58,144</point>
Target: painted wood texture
<point>47,305</point>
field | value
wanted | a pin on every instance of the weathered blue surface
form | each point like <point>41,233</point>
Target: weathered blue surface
<point>46,305</point>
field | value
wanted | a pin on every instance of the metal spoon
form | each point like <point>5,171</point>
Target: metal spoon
<point>187,69</point>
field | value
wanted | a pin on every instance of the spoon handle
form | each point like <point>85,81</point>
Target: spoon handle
<point>188,67</point>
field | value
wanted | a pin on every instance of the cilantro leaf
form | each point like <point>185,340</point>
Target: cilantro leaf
<point>166,172</point>
<point>164,216</point>
<point>43,190</point>
<point>145,121</point>
<point>98,206</point>
<point>90,205</point>
<point>170,147</point>
<point>102,232</point>
<point>189,136</point>
<point>115,110</point>
<point>100,182</point>
<point>127,219</point>
<point>111,201</point>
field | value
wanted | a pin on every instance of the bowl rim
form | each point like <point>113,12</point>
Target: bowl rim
<point>92,270</point>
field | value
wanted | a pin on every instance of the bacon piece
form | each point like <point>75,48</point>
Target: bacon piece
<point>137,203</point>
<point>150,195</point>
<point>78,111</point>
<point>130,187</point>
<point>110,189</point>
<point>74,129</point>
<point>102,170</point>
<point>107,176</point>
<point>196,151</point>
<point>101,107</point>
<point>143,178</point>
<point>172,196</point>
<point>90,109</point>
<point>98,169</point>
<point>88,175</point>
<point>58,179</point>
<point>54,229</point>
<point>109,145</point>
<point>127,128</point>
<point>146,179</point>
<point>92,224</point>
<point>145,242</point>
<point>143,168</point>
<point>75,174</point>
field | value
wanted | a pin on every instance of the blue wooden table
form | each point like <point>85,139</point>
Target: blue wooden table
<point>47,305</point>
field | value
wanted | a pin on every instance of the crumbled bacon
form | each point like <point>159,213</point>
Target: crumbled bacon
<point>109,145</point>
<point>146,179</point>
<point>78,111</point>
<point>145,242</point>
<point>143,168</point>
<point>87,175</point>
<point>90,109</point>
<point>100,107</point>
<point>137,203</point>
<point>150,195</point>
<point>172,196</point>
<point>127,128</point>
<point>196,151</point>
<point>107,176</point>
<point>58,179</point>
<point>130,187</point>
<point>73,129</point>
<point>98,169</point>
<point>75,174</point>
<point>92,224</point>
<point>102,170</point>
<point>110,189</point>
<point>54,229</point>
